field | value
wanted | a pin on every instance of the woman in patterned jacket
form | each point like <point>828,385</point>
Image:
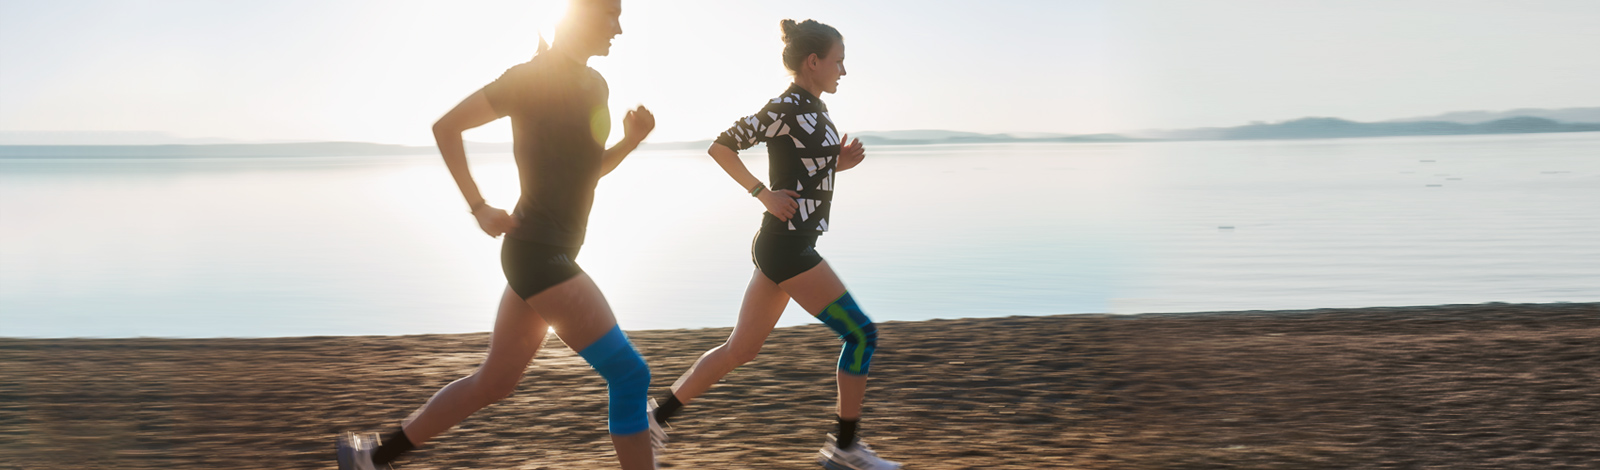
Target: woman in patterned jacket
<point>804,150</point>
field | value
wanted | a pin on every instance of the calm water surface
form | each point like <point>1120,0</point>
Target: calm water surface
<point>346,246</point>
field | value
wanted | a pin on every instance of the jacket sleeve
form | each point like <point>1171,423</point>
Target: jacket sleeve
<point>758,127</point>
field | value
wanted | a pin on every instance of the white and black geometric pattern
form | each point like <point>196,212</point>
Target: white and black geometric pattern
<point>804,161</point>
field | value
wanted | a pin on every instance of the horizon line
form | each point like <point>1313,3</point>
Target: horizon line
<point>1129,134</point>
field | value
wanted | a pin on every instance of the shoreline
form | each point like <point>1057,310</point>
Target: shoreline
<point>1453,386</point>
<point>632,332</point>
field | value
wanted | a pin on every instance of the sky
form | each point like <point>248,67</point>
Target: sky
<point>384,70</point>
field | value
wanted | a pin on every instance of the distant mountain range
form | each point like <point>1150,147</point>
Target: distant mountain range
<point>105,138</point>
<point>1520,121</point>
<point>1480,117</point>
<point>298,149</point>
<point>1303,128</point>
<point>1335,128</point>
<point>921,137</point>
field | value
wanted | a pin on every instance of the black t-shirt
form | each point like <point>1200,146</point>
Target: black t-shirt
<point>559,125</point>
<point>802,152</point>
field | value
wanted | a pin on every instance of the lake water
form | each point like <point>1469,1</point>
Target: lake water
<point>384,245</point>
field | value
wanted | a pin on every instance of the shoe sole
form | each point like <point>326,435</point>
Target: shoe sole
<point>658,433</point>
<point>827,462</point>
<point>344,453</point>
<point>658,442</point>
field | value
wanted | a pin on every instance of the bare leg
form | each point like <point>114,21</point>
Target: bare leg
<point>580,315</point>
<point>763,305</point>
<point>814,290</point>
<point>852,391</point>
<point>517,335</point>
<point>634,451</point>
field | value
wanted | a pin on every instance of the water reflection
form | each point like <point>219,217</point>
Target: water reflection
<point>384,245</point>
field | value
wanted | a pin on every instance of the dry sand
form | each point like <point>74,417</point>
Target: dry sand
<point>1460,386</point>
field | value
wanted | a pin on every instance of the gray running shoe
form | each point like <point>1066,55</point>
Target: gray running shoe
<point>355,452</point>
<point>658,436</point>
<point>858,457</point>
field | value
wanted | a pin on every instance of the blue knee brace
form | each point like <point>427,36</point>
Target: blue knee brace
<point>627,380</point>
<point>859,335</point>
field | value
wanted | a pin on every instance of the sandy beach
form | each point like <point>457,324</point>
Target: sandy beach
<point>1459,386</point>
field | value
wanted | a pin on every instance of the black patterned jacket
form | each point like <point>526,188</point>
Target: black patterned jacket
<point>802,152</point>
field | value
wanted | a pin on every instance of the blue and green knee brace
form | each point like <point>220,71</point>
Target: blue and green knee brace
<point>859,334</point>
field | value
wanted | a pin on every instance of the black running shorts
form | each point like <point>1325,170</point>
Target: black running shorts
<point>781,256</point>
<point>532,267</point>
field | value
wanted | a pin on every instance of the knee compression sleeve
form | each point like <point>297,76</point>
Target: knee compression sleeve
<point>859,334</point>
<point>627,380</point>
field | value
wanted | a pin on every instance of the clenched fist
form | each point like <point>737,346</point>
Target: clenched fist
<point>638,124</point>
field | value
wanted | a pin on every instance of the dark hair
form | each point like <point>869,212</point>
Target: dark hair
<point>802,39</point>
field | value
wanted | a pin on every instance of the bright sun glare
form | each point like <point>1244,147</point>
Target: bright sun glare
<point>547,14</point>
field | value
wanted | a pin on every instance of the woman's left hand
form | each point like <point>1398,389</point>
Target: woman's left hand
<point>637,124</point>
<point>851,154</point>
<point>493,221</point>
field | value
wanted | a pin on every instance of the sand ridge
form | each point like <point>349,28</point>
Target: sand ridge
<point>1460,386</point>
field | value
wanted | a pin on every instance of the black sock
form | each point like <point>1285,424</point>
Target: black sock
<point>847,432</point>
<point>669,406</point>
<point>393,445</point>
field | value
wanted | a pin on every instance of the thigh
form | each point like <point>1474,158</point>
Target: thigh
<point>576,309</point>
<point>763,304</point>
<point>815,288</point>
<point>518,334</point>
<point>783,256</point>
<point>532,267</point>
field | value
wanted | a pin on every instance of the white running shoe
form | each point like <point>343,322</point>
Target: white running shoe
<point>858,457</point>
<point>658,436</point>
<point>355,452</point>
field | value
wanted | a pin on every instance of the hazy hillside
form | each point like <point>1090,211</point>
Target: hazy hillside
<point>103,138</point>
<point>1304,128</point>
<point>1322,128</point>
<point>314,149</point>
<point>923,137</point>
<point>1590,115</point>
<point>298,149</point>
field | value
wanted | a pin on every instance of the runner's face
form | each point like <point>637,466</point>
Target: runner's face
<point>829,69</point>
<point>596,23</point>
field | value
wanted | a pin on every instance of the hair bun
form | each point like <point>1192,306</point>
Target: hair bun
<point>788,26</point>
<point>802,39</point>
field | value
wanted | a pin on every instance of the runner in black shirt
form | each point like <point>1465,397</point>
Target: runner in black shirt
<point>804,152</point>
<point>560,123</point>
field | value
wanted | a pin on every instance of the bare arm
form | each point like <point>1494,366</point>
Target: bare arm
<point>780,203</point>
<point>729,161</point>
<point>635,126</point>
<point>472,112</point>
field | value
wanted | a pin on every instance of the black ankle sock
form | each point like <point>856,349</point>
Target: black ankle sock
<point>393,445</point>
<point>669,406</point>
<point>847,432</point>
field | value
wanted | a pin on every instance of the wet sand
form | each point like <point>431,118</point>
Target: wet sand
<point>1460,386</point>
